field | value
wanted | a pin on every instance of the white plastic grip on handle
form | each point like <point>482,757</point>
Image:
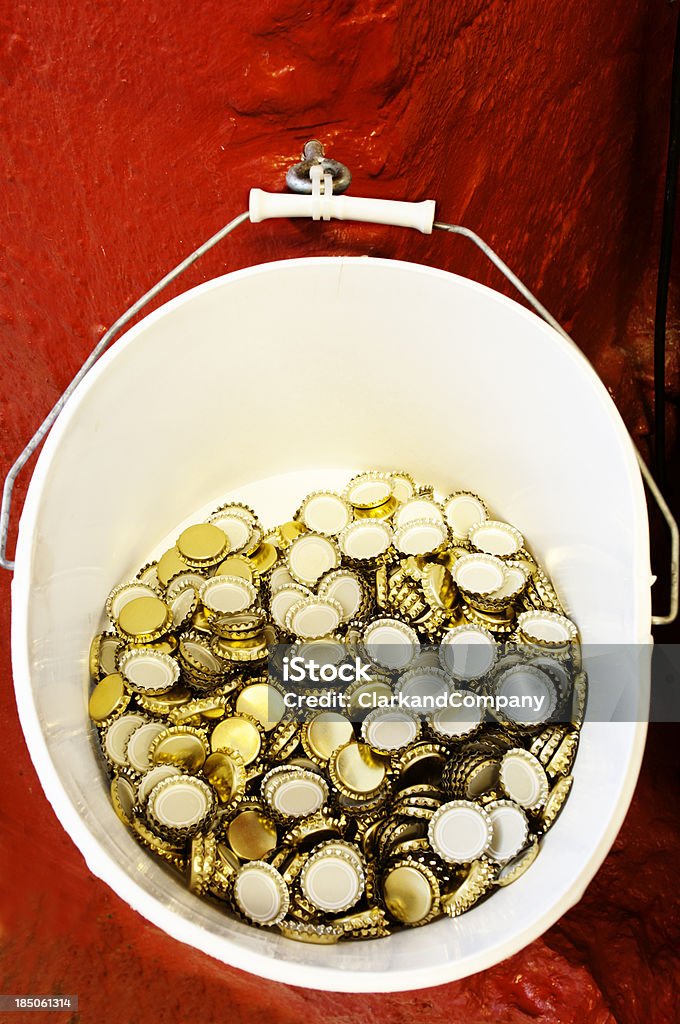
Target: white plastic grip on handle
<point>266,205</point>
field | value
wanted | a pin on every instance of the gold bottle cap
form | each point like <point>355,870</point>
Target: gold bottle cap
<point>150,778</point>
<point>363,696</point>
<point>294,792</point>
<point>202,863</point>
<point>148,574</point>
<point>227,594</point>
<point>123,594</point>
<point>516,867</point>
<point>403,486</point>
<point>477,882</point>
<point>515,583</point>
<point>169,565</point>
<point>390,643</point>
<point>312,618</point>
<point>195,651</point>
<point>264,558</point>
<point>439,590</point>
<point>280,577</point>
<point>123,798</point>
<point>109,699</point>
<point>200,622</point>
<point>324,733</point>
<point>460,831</point>
<point>411,892</point>
<point>356,771</point>
<point>384,511</point>
<point>462,511</point>
<point>555,801</point>
<point>109,646</point>
<point>457,720</point>
<point>180,745</point>
<point>419,509</point>
<point>288,595</point>
<point>202,711</point>
<point>420,537</point>
<point>326,513</point>
<point>478,574</point>
<point>240,732</point>
<point>389,729</point>
<point>144,619</point>
<point>140,741</point>
<point>423,687</point>
<point>256,648</point>
<point>164,703</point>
<point>369,490</point>
<point>365,540</point>
<point>203,545</point>
<point>308,931</point>
<point>115,738</point>
<point>238,625</point>
<point>547,629</point>
<point>333,878</point>
<point>146,670</point>
<point>180,805</point>
<point>262,701</point>
<point>531,689</point>
<point>310,557</point>
<point>345,587</point>
<point>226,773</point>
<point>240,527</point>
<point>523,779</point>
<point>510,829</point>
<point>468,652</point>
<point>261,893</point>
<point>496,538</point>
<point>252,834</point>
<point>236,565</point>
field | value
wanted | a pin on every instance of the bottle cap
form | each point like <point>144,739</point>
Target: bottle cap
<point>148,574</point>
<point>411,892</point>
<point>144,619</point>
<point>325,512</point>
<point>294,792</point>
<point>356,771</point>
<point>169,565</point>
<point>123,798</point>
<point>531,689</point>
<point>240,732</point>
<point>323,734</point>
<point>182,604</point>
<point>391,643</point>
<point>389,729</point>
<point>279,578</point>
<point>148,671</point>
<point>202,545</point>
<point>195,652</point>
<point>347,588</point>
<point>510,829</point>
<point>332,878</point>
<point>286,596</point>
<point>479,880</point>
<point>384,511</point>
<point>547,629</point>
<point>261,893</point>
<point>312,618</point>
<point>310,556</point>
<point>226,773</point>
<point>163,703</point>
<point>460,831</point>
<point>228,594</point>
<point>478,574</point>
<point>523,779</point>
<point>515,868</point>
<point>109,699</point>
<point>107,650</point>
<point>123,594</point>
<point>262,701</point>
<point>180,806</point>
<point>422,687</point>
<point>516,580</point>
<point>140,741</point>
<point>202,863</point>
<point>115,738</point>
<point>369,490</point>
<point>263,558</point>
<point>365,540</point>
<point>457,721</point>
<point>252,834</point>
<point>419,509</point>
<point>420,536</point>
<point>496,538</point>
<point>236,565</point>
<point>468,652</point>
<point>241,528</point>
<point>555,802</point>
<point>403,486</point>
<point>462,511</point>
<point>151,777</point>
<point>180,745</point>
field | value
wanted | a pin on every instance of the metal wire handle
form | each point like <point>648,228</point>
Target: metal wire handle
<point>122,321</point>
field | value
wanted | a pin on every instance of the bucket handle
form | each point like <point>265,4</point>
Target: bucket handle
<point>152,293</point>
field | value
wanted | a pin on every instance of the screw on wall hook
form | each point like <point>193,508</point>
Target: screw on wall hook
<point>298,177</point>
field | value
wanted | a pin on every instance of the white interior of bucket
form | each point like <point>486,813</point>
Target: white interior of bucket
<point>265,384</point>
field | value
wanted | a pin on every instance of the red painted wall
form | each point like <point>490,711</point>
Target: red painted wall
<point>131,132</point>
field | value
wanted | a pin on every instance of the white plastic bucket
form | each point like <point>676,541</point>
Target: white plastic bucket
<point>273,380</point>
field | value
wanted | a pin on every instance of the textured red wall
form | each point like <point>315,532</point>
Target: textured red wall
<point>130,133</point>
